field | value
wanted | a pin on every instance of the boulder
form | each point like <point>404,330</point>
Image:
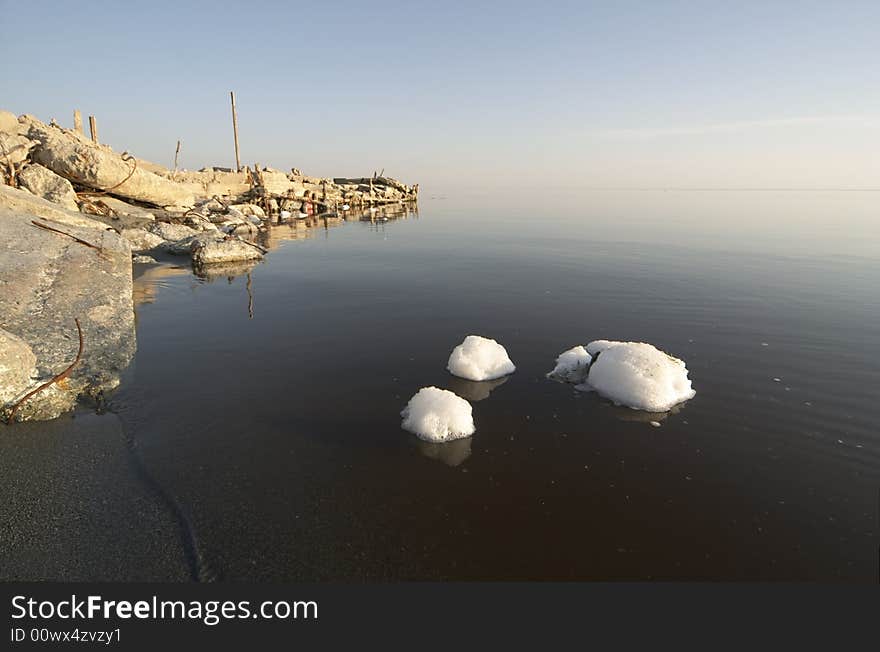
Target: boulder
<point>17,367</point>
<point>124,209</point>
<point>46,280</point>
<point>199,223</point>
<point>223,251</point>
<point>276,183</point>
<point>248,209</point>
<point>183,247</point>
<point>212,206</point>
<point>8,122</point>
<point>246,230</point>
<point>48,185</point>
<point>141,239</point>
<point>143,260</point>
<point>15,147</point>
<point>172,232</point>
<point>23,201</point>
<point>217,218</point>
<point>101,168</point>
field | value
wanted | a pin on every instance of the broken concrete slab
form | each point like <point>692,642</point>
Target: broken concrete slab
<point>124,209</point>
<point>22,201</point>
<point>15,148</point>
<point>170,231</point>
<point>245,230</point>
<point>8,122</point>
<point>48,279</point>
<point>183,247</point>
<point>248,209</point>
<point>141,239</point>
<point>226,250</point>
<point>98,167</point>
<point>46,184</point>
<point>17,367</point>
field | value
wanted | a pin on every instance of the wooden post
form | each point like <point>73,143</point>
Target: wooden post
<point>77,121</point>
<point>176,153</point>
<point>93,128</point>
<point>235,132</point>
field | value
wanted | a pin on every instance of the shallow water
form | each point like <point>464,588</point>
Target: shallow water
<point>260,427</point>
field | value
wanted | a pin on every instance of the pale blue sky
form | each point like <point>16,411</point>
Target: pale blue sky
<point>513,94</point>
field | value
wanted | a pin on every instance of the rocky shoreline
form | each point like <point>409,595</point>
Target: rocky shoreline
<point>75,215</point>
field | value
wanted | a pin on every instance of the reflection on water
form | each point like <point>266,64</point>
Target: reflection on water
<point>451,453</point>
<point>148,280</point>
<point>224,271</point>
<point>623,413</point>
<point>473,390</point>
<point>268,405</point>
<point>280,230</point>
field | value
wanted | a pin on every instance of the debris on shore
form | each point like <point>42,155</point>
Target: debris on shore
<point>75,214</point>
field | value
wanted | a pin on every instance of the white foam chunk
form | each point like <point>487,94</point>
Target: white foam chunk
<point>479,358</point>
<point>438,415</point>
<point>637,375</point>
<point>572,366</point>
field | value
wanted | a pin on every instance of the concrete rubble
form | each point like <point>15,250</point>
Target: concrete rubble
<point>48,185</point>
<point>100,211</point>
<point>49,278</point>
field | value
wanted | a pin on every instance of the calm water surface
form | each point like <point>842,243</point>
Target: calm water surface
<point>257,435</point>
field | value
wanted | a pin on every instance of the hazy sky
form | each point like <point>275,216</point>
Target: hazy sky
<point>526,95</point>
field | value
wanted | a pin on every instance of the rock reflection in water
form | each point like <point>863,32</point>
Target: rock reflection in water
<point>148,280</point>
<point>623,413</point>
<point>228,271</point>
<point>473,390</point>
<point>451,453</point>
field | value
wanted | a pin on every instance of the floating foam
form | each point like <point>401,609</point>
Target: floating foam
<point>572,366</point>
<point>438,415</point>
<point>637,375</point>
<point>479,358</point>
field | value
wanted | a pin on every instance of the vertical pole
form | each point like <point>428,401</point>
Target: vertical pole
<point>235,131</point>
<point>93,128</point>
<point>176,153</point>
<point>77,121</point>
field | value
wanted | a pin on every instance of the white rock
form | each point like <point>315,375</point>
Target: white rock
<point>479,358</point>
<point>8,122</point>
<point>17,148</point>
<point>637,375</point>
<point>207,252</point>
<point>172,232</point>
<point>438,415</point>
<point>141,239</point>
<point>572,366</point>
<point>17,367</point>
<point>244,230</point>
<point>248,209</point>
<point>48,185</point>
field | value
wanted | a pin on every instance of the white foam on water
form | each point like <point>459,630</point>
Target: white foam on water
<point>638,375</point>
<point>572,366</point>
<point>438,415</point>
<point>479,358</point>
